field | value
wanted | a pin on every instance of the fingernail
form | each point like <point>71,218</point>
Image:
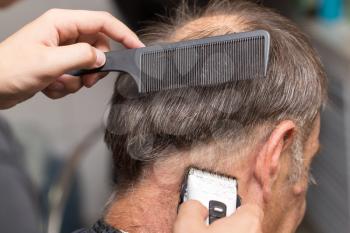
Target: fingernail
<point>141,44</point>
<point>100,58</point>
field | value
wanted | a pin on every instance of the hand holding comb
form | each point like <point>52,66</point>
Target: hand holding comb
<point>203,62</point>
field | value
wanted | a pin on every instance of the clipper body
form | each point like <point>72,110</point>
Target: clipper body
<point>218,193</point>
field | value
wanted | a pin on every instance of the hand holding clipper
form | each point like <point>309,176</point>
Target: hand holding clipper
<point>218,193</point>
<point>192,215</point>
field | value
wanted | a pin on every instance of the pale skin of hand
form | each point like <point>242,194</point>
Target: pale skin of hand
<point>37,57</point>
<point>192,215</point>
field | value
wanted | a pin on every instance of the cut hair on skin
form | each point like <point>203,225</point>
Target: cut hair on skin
<point>144,129</point>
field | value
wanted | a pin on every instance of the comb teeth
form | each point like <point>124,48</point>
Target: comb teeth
<point>203,64</point>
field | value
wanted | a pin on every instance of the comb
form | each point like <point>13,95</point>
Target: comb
<point>203,62</point>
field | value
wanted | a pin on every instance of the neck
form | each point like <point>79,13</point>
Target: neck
<point>151,205</point>
<point>146,209</point>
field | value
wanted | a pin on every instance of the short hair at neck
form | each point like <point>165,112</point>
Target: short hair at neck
<point>143,129</point>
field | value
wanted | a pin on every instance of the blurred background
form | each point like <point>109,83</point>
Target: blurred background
<point>53,134</point>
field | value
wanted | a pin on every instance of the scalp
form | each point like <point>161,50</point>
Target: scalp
<point>213,25</point>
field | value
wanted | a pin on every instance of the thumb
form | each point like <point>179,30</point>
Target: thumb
<point>250,215</point>
<point>248,218</point>
<point>249,210</point>
<point>191,218</point>
<point>77,56</point>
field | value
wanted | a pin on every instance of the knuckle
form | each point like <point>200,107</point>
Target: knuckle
<point>188,205</point>
<point>73,88</point>
<point>52,95</point>
<point>195,204</point>
<point>86,47</point>
<point>88,52</point>
<point>192,205</point>
<point>52,12</point>
<point>106,14</point>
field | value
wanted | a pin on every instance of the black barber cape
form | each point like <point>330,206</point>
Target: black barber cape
<point>99,227</point>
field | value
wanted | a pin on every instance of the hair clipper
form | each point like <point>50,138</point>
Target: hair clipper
<point>216,192</point>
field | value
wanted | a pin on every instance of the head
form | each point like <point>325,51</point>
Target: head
<point>262,131</point>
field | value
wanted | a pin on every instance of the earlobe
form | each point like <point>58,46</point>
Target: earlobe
<point>268,162</point>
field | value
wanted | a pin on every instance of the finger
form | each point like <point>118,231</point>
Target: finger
<point>53,94</point>
<point>191,217</point>
<point>98,39</point>
<point>72,23</point>
<point>71,84</point>
<point>63,59</point>
<point>63,86</point>
<point>55,86</point>
<point>101,42</point>
<point>250,210</point>
<point>91,79</point>
<point>248,219</point>
<point>84,38</point>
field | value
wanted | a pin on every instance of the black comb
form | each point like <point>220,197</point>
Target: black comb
<point>203,62</point>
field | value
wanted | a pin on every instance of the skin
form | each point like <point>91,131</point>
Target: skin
<point>284,205</point>
<point>192,214</point>
<point>6,3</point>
<point>40,54</point>
<point>288,212</point>
<point>63,40</point>
<point>263,178</point>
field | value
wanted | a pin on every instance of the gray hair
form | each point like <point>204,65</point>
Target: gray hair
<point>141,129</point>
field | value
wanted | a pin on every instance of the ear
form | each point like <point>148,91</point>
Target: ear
<point>268,161</point>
